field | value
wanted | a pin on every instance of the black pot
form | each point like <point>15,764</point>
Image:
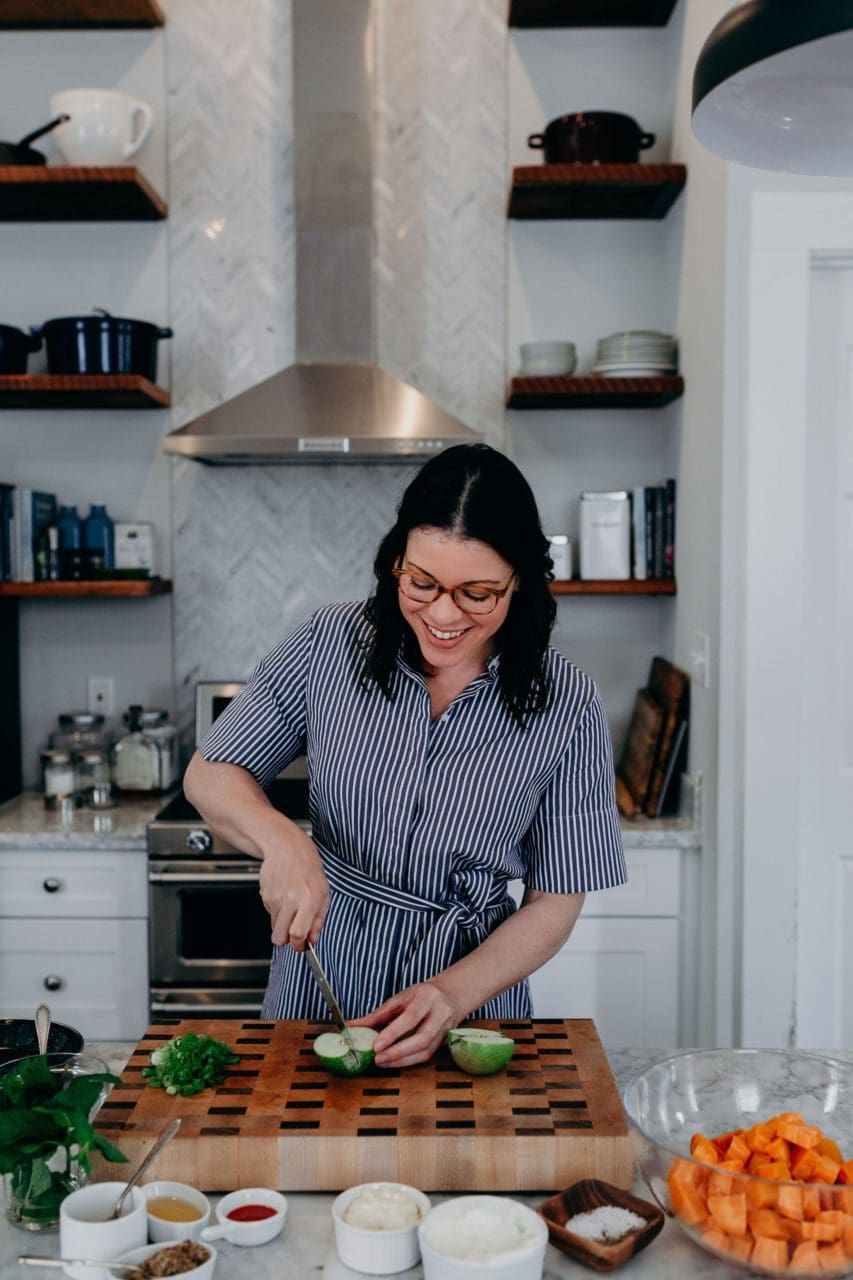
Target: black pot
<point>18,1039</point>
<point>101,344</point>
<point>21,152</point>
<point>592,137</point>
<point>15,346</point>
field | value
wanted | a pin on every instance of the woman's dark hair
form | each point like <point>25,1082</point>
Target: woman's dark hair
<point>473,491</point>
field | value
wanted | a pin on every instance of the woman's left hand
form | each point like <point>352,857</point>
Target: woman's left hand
<point>413,1023</point>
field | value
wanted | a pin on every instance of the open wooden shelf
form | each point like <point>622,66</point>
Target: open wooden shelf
<point>593,391</point>
<point>80,391</point>
<point>77,193</point>
<point>111,588</point>
<point>565,191</point>
<point>615,587</point>
<point>41,15</point>
<point>590,13</point>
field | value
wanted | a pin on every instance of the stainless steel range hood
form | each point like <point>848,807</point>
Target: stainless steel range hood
<point>334,404</point>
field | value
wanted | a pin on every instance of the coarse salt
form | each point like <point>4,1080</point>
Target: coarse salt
<point>607,1224</point>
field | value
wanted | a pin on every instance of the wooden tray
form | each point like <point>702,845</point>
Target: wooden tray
<point>552,1117</point>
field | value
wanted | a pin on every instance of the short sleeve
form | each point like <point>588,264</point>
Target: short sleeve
<point>264,727</point>
<point>574,843</point>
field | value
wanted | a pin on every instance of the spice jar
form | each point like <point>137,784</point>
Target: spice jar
<point>57,777</point>
<point>80,731</point>
<point>92,773</point>
<point>146,758</point>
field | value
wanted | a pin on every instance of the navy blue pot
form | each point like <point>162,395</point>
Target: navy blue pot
<point>101,344</point>
<point>15,346</point>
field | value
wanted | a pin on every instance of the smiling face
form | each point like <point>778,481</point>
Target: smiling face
<point>448,637</point>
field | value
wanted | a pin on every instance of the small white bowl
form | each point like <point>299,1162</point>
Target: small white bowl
<point>248,1233</point>
<point>554,358</point>
<point>525,1263</point>
<point>202,1272</point>
<point>160,1229</point>
<point>378,1253</point>
<point>86,1231</point>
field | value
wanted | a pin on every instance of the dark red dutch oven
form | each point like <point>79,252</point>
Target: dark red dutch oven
<point>15,346</point>
<point>101,344</point>
<point>592,137</point>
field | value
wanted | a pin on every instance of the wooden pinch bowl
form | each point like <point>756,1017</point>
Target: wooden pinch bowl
<point>584,1197</point>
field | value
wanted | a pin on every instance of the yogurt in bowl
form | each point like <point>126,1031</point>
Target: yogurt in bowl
<point>477,1236</point>
<point>376,1226</point>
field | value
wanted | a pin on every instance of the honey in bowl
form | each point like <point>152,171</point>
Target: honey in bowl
<point>173,1209</point>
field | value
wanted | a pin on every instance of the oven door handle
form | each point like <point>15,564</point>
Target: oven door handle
<point>165,1006</point>
<point>211,877</point>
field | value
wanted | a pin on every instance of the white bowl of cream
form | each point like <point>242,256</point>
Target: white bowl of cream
<point>376,1226</point>
<point>471,1237</point>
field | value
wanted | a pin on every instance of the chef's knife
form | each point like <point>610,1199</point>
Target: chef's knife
<point>328,995</point>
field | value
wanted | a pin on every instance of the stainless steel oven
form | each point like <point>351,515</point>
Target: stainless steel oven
<point>209,933</point>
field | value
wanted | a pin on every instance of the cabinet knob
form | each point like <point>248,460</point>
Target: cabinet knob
<point>53,982</point>
<point>52,885</point>
<point>199,840</point>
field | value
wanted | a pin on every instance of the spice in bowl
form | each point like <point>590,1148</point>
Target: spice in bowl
<point>608,1224</point>
<point>175,1260</point>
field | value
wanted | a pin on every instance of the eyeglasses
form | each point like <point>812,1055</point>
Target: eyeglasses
<point>472,597</point>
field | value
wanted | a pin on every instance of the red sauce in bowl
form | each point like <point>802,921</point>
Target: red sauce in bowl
<point>251,1213</point>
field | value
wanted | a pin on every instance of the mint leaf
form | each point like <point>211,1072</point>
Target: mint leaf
<point>107,1149</point>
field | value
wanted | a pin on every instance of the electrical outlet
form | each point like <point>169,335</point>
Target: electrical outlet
<point>700,659</point>
<point>101,694</point>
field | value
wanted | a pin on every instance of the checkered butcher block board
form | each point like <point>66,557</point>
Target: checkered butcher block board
<point>280,1120</point>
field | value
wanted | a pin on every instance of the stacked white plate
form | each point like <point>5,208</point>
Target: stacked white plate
<point>636,353</point>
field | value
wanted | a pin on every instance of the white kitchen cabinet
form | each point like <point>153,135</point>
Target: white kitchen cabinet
<point>74,932</point>
<point>631,961</point>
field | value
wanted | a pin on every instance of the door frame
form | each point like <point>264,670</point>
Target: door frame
<point>762,635</point>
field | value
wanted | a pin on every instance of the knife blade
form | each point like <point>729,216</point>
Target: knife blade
<point>329,997</point>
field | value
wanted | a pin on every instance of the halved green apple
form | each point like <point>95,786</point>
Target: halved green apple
<point>479,1052</point>
<point>336,1056</point>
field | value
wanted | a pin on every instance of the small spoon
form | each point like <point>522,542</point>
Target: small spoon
<point>166,1136</point>
<point>33,1260</point>
<point>42,1021</point>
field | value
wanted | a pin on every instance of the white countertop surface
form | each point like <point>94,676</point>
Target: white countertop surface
<point>25,823</point>
<point>306,1248</point>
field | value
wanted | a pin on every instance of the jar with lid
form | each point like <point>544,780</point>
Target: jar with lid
<point>145,758</point>
<point>80,731</point>
<point>92,776</point>
<point>57,778</point>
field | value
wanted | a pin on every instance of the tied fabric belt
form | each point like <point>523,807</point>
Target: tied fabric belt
<point>470,894</point>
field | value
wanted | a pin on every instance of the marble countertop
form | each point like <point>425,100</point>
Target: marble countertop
<point>25,823</point>
<point>306,1246</point>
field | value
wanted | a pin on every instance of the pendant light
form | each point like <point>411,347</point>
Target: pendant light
<point>773,86</point>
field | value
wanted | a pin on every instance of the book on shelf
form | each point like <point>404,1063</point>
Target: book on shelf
<point>32,511</point>
<point>7,531</point>
<point>654,531</point>
<point>638,531</point>
<point>669,530</point>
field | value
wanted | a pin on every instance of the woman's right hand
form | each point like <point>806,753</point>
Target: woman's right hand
<point>294,890</point>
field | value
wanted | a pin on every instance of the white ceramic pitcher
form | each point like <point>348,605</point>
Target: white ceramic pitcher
<point>106,126</point>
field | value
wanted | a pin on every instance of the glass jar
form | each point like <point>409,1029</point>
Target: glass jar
<point>81,731</point>
<point>57,777</point>
<point>135,759</point>
<point>156,727</point>
<point>92,770</point>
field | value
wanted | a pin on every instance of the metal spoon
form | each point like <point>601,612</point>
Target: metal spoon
<point>42,1021</point>
<point>33,1260</point>
<point>166,1136</point>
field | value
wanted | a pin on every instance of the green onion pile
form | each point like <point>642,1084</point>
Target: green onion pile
<point>190,1063</point>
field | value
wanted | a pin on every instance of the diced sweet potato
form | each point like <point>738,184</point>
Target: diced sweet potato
<point>804,1257</point>
<point>723,1184</point>
<point>688,1202</point>
<point>823,1232</point>
<point>804,1164</point>
<point>790,1202</point>
<point>770,1253</point>
<point>701,1148</point>
<point>713,1236</point>
<point>845,1173</point>
<point>740,1246</point>
<point>759,1137</point>
<point>779,1149</point>
<point>826,1147</point>
<point>804,1135</point>
<point>847,1240</point>
<point>729,1213</point>
<point>738,1149</point>
<point>766,1222</point>
<point>761,1195</point>
<point>775,1170</point>
<point>842,1198</point>
<point>826,1170</point>
<point>832,1257</point>
<point>812,1204</point>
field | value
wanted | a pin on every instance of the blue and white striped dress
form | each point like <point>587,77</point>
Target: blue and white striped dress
<point>421,824</point>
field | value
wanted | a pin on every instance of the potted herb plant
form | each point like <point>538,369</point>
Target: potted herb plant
<point>46,1133</point>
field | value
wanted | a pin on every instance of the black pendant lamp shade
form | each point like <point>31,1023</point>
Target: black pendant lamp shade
<point>773,87</point>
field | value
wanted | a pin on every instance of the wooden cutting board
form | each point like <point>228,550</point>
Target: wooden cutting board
<point>551,1117</point>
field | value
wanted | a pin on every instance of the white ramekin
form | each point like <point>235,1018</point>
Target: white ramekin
<point>519,1264</point>
<point>248,1234</point>
<point>159,1229</point>
<point>378,1253</point>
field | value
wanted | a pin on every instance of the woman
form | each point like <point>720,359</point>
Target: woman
<point>450,750</point>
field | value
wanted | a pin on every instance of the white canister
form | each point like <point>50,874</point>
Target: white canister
<point>561,555</point>
<point>106,126</point>
<point>605,523</point>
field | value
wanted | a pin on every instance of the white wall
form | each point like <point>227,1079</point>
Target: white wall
<point>110,456</point>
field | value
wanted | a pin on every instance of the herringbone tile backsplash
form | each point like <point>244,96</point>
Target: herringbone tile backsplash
<point>257,548</point>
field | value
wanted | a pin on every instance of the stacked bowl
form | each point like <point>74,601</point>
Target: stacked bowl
<point>637,353</point>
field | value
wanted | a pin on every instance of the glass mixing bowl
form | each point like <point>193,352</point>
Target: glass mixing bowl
<point>715,1091</point>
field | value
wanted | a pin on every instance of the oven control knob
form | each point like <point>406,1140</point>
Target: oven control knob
<point>54,983</point>
<point>199,840</point>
